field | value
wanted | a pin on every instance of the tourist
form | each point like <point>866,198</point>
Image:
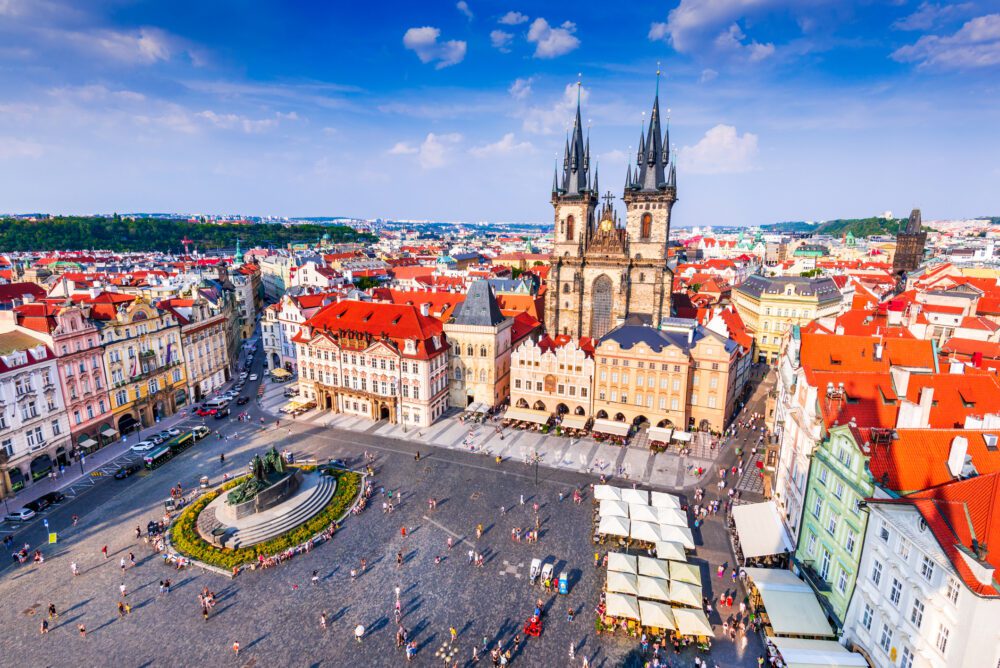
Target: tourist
<point>44,627</point>
<point>123,589</point>
<point>322,620</point>
<point>236,644</point>
<point>52,611</point>
<point>74,569</point>
<point>82,630</point>
<point>315,577</point>
<point>104,551</point>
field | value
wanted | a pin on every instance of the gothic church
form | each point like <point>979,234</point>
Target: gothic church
<point>602,271</point>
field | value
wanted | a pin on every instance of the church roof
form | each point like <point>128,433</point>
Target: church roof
<point>480,307</point>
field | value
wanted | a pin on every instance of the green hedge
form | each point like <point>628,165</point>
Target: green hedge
<point>186,539</point>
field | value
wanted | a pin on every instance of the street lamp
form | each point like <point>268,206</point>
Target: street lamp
<point>534,459</point>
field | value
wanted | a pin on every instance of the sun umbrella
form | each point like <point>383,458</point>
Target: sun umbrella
<point>645,531</point>
<point>664,500</point>
<point>685,572</point>
<point>643,513</point>
<point>623,583</point>
<point>655,589</point>
<point>692,622</point>
<point>611,508</point>
<point>607,492</point>
<point>622,605</point>
<point>656,614</point>
<point>622,563</point>
<point>614,526</point>
<point>666,549</point>
<point>685,593</point>
<point>630,495</point>
<point>654,568</point>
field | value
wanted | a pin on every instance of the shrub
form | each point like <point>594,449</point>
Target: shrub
<point>186,539</point>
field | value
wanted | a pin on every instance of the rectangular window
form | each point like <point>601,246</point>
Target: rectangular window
<point>517,384</point>
<point>866,617</point>
<point>885,640</point>
<point>677,385</point>
<point>55,428</point>
<point>583,392</point>
<point>942,638</point>
<point>838,490</point>
<point>822,475</point>
<point>824,566</point>
<point>917,613</point>
<point>883,531</point>
<point>842,581</point>
<point>953,592</point>
<point>906,661</point>
<point>711,402</point>
<point>817,507</point>
<point>927,568</point>
<point>877,573</point>
<point>674,404</point>
<point>812,543</point>
<point>904,548</point>
<point>831,525</point>
<point>895,592</point>
<point>850,541</point>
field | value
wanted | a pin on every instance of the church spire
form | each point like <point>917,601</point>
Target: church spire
<point>576,163</point>
<point>652,164</point>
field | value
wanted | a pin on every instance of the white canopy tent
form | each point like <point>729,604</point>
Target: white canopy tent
<point>635,496</point>
<point>681,435</point>
<point>689,622</point>
<point>610,508</point>
<point>621,562</point>
<point>791,604</point>
<point>659,434</point>
<point>666,549</point>
<point>614,526</point>
<point>574,421</point>
<point>664,500</point>
<point>672,516</point>
<point>527,415</point>
<point>611,427</point>
<point>643,513</point>
<point>654,568</point>
<point>805,653</point>
<point>656,614</point>
<point>760,530</point>
<point>685,593</point>
<point>645,531</point>
<point>622,605</point>
<point>623,583</point>
<point>677,534</point>
<point>685,572</point>
<point>655,589</point>
<point>607,493</point>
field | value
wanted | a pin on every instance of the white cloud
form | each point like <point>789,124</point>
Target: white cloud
<point>145,46</point>
<point>556,118</point>
<point>506,146</point>
<point>501,40</point>
<point>403,148</point>
<point>12,147</point>
<point>721,151</point>
<point>521,88</point>
<point>732,40</point>
<point>658,31</point>
<point>513,18</point>
<point>243,123</point>
<point>552,42</point>
<point>95,92</point>
<point>929,15</point>
<point>707,75</point>
<point>435,149</point>
<point>976,44</point>
<point>424,42</point>
<point>463,7</point>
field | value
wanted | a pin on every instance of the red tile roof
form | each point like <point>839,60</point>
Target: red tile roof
<point>918,458</point>
<point>820,352</point>
<point>393,322</point>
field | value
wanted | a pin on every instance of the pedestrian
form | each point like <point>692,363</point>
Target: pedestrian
<point>74,569</point>
<point>572,651</point>
<point>121,610</point>
<point>131,560</point>
<point>358,632</point>
<point>44,628</point>
<point>104,551</point>
<point>236,648</point>
<point>472,555</point>
<point>399,559</point>
<point>397,593</point>
<point>121,563</point>
<point>454,633</point>
<point>123,589</point>
<point>522,499</point>
<point>315,577</point>
<point>597,560</point>
<point>402,531</point>
<point>475,654</point>
<point>82,630</point>
<point>52,611</point>
<point>322,620</point>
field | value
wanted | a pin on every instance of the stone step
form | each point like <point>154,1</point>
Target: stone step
<point>318,498</point>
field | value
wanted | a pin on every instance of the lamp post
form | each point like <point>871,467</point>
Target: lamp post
<point>534,459</point>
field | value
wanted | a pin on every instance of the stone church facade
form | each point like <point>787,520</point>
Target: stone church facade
<point>603,270</point>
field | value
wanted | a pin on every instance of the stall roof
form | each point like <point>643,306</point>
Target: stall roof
<point>575,421</point>
<point>681,435</point>
<point>685,593</point>
<point>655,589</point>
<point>88,442</point>
<point>621,562</point>
<point>677,534</point>
<point>622,605</point>
<point>527,415</point>
<point>760,530</point>
<point>639,496</point>
<point>645,531</point>
<point>666,549</point>
<point>655,568</point>
<point>691,622</point>
<point>656,614</point>
<point>614,526</point>
<point>610,427</point>
<point>643,513</point>
<point>685,572</point>
<point>659,434</point>
<point>664,500</point>
<point>280,373</point>
<point>623,583</point>
<point>602,492</point>
<point>611,508</point>
<point>805,653</point>
<point>673,516</point>
<point>791,604</point>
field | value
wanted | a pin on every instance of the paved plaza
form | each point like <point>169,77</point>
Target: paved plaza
<point>275,614</point>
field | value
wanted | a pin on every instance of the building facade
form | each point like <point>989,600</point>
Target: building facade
<point>204,336</point>
<point>910,243</point>
<point>601,272</point>
<point>479,338</point>
<point>380,361</point>
<point>555,375</point>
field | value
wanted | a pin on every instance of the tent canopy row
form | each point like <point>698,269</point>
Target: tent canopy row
<point>527,415</point>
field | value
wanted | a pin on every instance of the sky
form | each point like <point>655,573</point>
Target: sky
<point>779,109</point>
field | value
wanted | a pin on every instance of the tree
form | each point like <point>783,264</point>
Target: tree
<point>366,282</point>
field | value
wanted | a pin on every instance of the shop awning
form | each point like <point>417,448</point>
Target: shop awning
<point>654,568</point>
<point>692,622</point>
<point>643,513</point>
<point>654,589</point>
<point>639,496</point>
<point>575,421</point>
<point>664,500</point>
<point>527,415</point>
<point>669,550</point>
<point>672,516</point>
<point>611,427</point>
<point>614,526</point>
<point>108,431</point>
<point>622,605</point>
<point>679,435</point>
<point>677,534</point>
<point>623,583</point>
<point>790,603</point>
<point>280,373</point>
<point>656,614</point>
<point>685,593</point>
<point>682,571</point>
<point>613,509</point>
<point>660,434</point>
<point>645,531</point>
<point>602,492</point>
<point>622,563</point>
<point>760,530</point>
<point>478,407</point>
<point>805,653</point>
<point>88,443</point>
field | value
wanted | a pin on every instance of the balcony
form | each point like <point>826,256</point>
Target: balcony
<point>812,576</point>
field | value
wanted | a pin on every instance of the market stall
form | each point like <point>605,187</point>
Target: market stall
<point>646,532</point>
<point>654,589</point>
<point>664,500</point>
<point>659,437</point>
<point>622,563</point>
<point>675,534</point>
<point>622,583</point>
<point>607,492</point>
<point>574,421</point>
<point>806,653</point>
<point>527,415</point>
<point>617,432</point>
<point>635,496</point>
<point>685,572</point>
<point>656,616</point>
<point>614,526</point>
<point>656,568</point>
<point>610,508</point>
<point>690,622</point>
<point>760,531</point>
<point>672,516</point>
<point>789,605</point>
<point>685,593</point>
<point>622,606</point>
<point>666,549</point>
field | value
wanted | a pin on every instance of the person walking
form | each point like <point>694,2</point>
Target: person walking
<point>123,590</point>
<point>454,633</point>
<point>322,620</point>
<point>236,648</point>
<point>82,630</point>
<point>104,551</point>
<point>121,562</point>
<point>52,611</point>
<point>44,628</point>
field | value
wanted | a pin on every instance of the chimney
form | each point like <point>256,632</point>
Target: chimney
<point>878,352</point>
<point>956,457</point>
<point>425,309</point>
<point>900,380</point>
<point>977,359</point>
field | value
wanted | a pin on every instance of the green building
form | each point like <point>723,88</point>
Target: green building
<point>833,520</point>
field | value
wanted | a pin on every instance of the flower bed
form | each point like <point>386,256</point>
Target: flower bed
<point>186,540</point>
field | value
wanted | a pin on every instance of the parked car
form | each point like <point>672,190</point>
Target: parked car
<point>165,435</point>
<point>253,377</point>
<point>127,470</point>
<point>201,432</point>
<point>156,439</point>
<point>37,506</point>
<point>205,412</point>
<point>243,375</point>
<point>221,413</point>
<point>173,431</point>
<point>22,515</point>
<point>53,497</point>
<point>143,446</point>
<point>243,400</point>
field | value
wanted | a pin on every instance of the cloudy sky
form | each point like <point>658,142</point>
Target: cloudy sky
<point>780,109</point>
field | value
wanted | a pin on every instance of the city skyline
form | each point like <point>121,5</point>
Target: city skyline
<point>457,112</point>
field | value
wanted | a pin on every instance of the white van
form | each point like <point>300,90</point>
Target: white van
<point>216,402</point>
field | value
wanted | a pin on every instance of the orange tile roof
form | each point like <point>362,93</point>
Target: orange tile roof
<point>918,458</point>
<point>819,352</point>
<point>394,322</point>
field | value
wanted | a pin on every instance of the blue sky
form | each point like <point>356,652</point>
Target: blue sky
<point>780,109</point>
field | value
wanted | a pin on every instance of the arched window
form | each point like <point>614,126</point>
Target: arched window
<point>565,288</point>
<point>569,228</point>
<point>482,375</point>
<point>646,227</point>
<point>458,373</point>
<point>468,350</point>
<point>600,314</point>
<point>482,351</point>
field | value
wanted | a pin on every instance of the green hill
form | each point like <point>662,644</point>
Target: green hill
<point>859,227</point>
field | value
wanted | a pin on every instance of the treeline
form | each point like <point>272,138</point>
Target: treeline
<point>156,234</point>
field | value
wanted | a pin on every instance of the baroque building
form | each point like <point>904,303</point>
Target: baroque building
<point>602,271</point>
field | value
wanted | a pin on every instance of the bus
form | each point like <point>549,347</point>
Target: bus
<point>180,443</point>
<point>158,457</point>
